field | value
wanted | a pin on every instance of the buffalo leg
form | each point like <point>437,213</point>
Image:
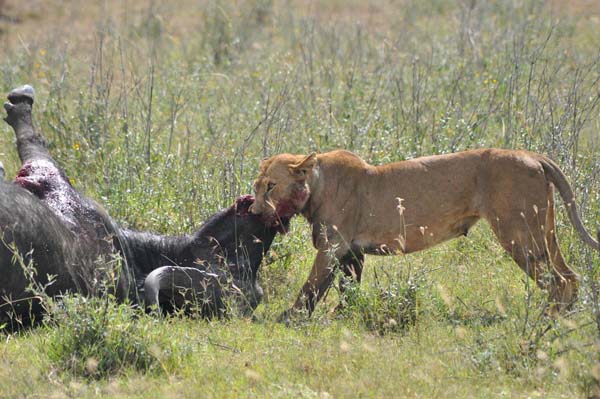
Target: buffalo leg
<point>1,171</point>
<point>30,144</point>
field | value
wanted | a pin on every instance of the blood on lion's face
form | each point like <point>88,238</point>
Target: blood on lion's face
<point>281,189</point>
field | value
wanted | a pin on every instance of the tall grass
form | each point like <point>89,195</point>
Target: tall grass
<point>162,113</point>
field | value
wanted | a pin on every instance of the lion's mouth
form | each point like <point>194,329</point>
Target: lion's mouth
<point>278,221</point>
<point>286,209</point>
<point>281,222</point>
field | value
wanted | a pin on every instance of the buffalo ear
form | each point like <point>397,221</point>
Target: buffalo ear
<point>303,168</point>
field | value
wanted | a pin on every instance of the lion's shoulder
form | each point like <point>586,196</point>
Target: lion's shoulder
<point>342,158</point>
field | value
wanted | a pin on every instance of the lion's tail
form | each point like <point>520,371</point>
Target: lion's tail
<point>557,177</point>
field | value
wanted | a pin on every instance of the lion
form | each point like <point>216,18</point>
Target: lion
<point>356,208</point>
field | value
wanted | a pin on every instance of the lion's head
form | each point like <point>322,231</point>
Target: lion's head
<point>282,188</point>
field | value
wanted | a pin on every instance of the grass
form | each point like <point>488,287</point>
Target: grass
<point>162,112</point>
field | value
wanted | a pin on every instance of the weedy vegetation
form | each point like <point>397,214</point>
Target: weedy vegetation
<point>162,111</point>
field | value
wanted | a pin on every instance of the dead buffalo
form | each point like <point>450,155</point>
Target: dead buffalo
<point>30,231</point>
<point>75,246</point>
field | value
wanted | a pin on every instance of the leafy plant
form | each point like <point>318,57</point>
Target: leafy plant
<point>388,307</point>
<point>95,337</point>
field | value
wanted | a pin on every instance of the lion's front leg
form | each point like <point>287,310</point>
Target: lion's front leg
<point>319,280</point>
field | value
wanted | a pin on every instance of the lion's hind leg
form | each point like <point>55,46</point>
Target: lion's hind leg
<point>528,236</point>
<point>566,280</point>
<point>351,267</point>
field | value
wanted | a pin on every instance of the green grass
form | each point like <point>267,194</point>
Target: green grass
<point>162,113</point>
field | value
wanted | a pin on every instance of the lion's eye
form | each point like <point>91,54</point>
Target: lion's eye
<point>270,186</point>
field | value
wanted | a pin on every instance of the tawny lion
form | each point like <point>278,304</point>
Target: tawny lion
<point>355,209</point>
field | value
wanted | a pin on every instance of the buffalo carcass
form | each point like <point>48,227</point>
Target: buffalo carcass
<point>68,236</point>
<point>30,231</point>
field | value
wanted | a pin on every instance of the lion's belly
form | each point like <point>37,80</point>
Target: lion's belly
<point>413,237</point>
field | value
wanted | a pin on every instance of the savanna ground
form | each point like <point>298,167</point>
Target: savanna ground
<point>161,111</point>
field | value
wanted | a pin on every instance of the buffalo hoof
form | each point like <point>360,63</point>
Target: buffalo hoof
<point>8,107</point>
<point>20,103</point>
<point>21,94</point>
<point>1,171</point>
<point>16,111</point>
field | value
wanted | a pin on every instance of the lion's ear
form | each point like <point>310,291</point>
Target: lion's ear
<point>303,168</point>
<point>264,164</point>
